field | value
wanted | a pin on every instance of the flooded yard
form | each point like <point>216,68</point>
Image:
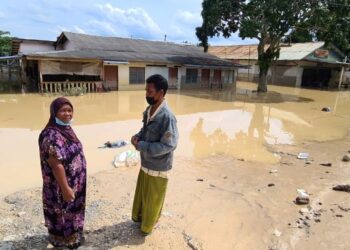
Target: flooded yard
<point>236,123</point>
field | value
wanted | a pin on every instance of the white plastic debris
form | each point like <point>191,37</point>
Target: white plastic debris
<point>273,171</point>
<point>304,210</point>
<point>277,233</point>
<point>21,214</point>
<point>303,197</point>
<point>303,155</point>
<point>127,158</point>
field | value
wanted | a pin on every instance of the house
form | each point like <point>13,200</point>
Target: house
<point>113,63</point>
<point>299,64</point>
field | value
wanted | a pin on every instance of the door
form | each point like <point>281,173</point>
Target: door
<point>173,77</point>
<point>316,77</point>
<point>205,77</point>
<point>111,77</point>
<point>217,78</point>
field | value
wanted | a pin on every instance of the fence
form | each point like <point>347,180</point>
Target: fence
<point>56,87</point>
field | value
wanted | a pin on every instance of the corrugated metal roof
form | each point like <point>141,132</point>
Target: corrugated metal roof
<point>293,52</point>
<point>137,50</point>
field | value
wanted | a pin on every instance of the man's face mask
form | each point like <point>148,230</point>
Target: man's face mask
<point>150,100</point>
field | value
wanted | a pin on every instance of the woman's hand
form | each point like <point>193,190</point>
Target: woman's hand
<point>68,194</point>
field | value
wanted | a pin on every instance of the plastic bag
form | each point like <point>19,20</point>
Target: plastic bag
<point>127,158</point>
<point>303,197</point>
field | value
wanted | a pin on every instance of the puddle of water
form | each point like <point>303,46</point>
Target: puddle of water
<point>236,123</point>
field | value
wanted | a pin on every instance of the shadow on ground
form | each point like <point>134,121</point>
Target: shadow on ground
<point>121,234</point>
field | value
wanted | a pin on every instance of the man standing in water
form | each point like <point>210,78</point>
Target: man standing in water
<point>156,142</point>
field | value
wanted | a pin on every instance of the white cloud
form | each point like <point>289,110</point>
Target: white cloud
<point>61,28</point>
<point>176,30</point>
<point>188,17</point>
<point>79,30</point>
<point>132,19</point>
<point>105,27</point>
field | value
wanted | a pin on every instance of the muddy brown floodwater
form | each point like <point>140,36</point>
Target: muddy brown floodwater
<point>236,122</point>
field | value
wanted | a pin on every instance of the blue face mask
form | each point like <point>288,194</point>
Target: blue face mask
<point>59,122</point>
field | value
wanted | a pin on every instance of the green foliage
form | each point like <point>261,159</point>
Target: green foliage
<point>268,21</point>
<point>5,43</point>
<point>328,21</point>
<point>10,87</point>
<point>74,91</point>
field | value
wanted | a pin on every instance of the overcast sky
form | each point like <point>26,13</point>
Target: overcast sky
<point>146,19</point>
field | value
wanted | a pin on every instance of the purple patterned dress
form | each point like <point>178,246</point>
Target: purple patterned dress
<point>64,220</point>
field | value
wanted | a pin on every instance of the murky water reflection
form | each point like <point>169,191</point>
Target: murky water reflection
<point>237,123</point>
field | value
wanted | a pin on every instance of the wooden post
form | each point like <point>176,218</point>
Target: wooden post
<point>9,69</point>
<point>40,76</point>
<point>341,77</point>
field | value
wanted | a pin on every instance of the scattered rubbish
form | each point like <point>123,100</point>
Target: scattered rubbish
<point>317,220</point>
<point>308,162</point>
<point>21,214</point>
<point>302,198</point>
<point>241,159</point>
<point>211,185</point>
<point>326,109</point>
<point>200,179</point>
<point>339,215</point>
<point>194,245</point>
<point>10,238</point>
<point>320,203</point>
<point>115,144</point>
<point>271,185</point>
<point>167,214</point>
<point>225,177</point>
<point>304,210</point>
<point>346,158</point>
<point>303,155</point>
<point>344,188</point>
<point>127,158</point>
<point>328,164</point>
<point>343,208</point>
<point>273,171</point>
<point>277,233</point>
<point>306,223</point>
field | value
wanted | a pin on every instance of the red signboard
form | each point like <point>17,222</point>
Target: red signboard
<point>321,53</point>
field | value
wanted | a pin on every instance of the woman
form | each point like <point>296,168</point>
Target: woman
<point>63,169</point>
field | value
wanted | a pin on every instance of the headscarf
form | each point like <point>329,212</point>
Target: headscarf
<point>66,131</point>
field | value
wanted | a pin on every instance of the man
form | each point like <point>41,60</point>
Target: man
<point>156,142</point>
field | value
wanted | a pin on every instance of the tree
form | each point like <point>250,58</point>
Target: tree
<point>329,22</point>
<point>5,43</point>
<point>268,21</point>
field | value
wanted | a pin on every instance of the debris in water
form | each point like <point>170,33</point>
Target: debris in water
<point>303,155</point>
<point>344,188</point>
<point>328,164</point>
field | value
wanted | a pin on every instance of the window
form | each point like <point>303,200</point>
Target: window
<point>71,67</point>
<point>137,75</point>
<point>191,75</point>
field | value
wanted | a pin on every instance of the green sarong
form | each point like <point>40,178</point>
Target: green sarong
<point>148,200</point>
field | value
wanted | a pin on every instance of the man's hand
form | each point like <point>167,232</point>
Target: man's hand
<point>134,141</point>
